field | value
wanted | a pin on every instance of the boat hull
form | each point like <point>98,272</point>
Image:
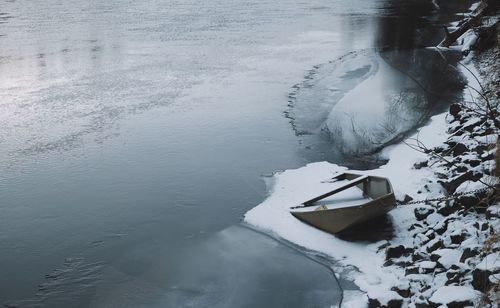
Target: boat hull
<point>338,219</point>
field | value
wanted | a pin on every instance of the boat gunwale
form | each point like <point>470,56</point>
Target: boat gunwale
<point>361,205</point>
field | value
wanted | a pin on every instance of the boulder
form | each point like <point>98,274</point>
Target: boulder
<point>397,251</point>
<point>435,245</point>
<point>449,208</point>
<point>452,184</point>
<point>455,109</point>
<point>403,292</point>
<point>411,270</point>
<point>468,200</point>
<point>468,253</point>
<point>458,238</point>
<point>393,303</point>
<point>459,149</point>
<point>422,212</point>
<point>480,280</point>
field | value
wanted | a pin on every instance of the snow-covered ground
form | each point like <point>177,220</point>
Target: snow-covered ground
<point>434,248</point>
<point>442,252</point>
<point>293,187</point>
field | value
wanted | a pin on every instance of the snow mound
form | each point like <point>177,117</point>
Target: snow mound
<point>449,294</point>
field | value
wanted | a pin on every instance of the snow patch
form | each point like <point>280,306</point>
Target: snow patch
<point>449,294</point>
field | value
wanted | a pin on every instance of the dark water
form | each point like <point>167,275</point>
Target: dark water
<point>133,138</point>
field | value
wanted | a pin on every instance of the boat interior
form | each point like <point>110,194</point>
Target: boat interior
<point>352,190</point>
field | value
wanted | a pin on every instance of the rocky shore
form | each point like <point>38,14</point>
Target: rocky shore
<point>452,257</point>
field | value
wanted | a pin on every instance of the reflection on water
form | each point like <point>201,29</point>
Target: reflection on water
<point>236,267</point>
<point>350,107</point>
<point>132,133</point>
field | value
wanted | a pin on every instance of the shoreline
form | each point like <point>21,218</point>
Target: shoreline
<point>396,272</point>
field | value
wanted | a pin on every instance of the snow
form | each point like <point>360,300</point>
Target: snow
<point>468,186</point>
<point>448,257</point>
<point>347,198</point>
<point>359,123</point>
<point>354,299</point>
<point>383,295</point>
<point>491,262</point>
<point>468,40</point>
<point>427,264</point>
<point>292,187</point>
<point>448,294</point>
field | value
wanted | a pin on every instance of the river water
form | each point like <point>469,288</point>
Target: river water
<point>135,135</point>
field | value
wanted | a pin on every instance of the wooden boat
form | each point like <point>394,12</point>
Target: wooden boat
<point>358,198</point>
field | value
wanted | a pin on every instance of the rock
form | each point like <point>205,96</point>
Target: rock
<point>397,251</point>
<point>434,257</point>
<point>493,212</point>
<point>393,303</point>
<point>454,275</point>
<point>455,109</point>
<point>441,228</point>
<point>383,245</point>
<point>453,296</point>
<point>461,168</point>
<point>374,303</point>
<point>462,304</point>
<point>421,302</point>
<point>452,185</point>
<point>402,264</point>
<point>431,235</point>
<point>416,257</point>
<point>473,162</point>
<point>435,245</point>
<point>407,198</point>
<point>480,280</point>
<point>449,208</point>
<point>403,292</point>
<point>454,279</point>
<point>485,226</point>
<point>427,267</point>
<point>468,200</point>
<point>420,165</point>
<point>459,149</point>
<point>422,212</point>
<point>458,238</point>
<point>414,226</point>
<point>411,270</point>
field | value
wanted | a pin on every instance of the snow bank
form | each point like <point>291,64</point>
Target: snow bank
<point>449,294</point>
<point>293,187</point>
